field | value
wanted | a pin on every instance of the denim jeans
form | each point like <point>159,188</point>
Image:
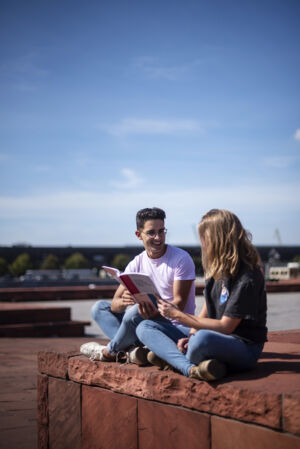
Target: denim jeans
<point>108,321</point>
<point>119,327</point>
<point>162,339</point>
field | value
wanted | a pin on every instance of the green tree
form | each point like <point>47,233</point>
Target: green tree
<point>120,261</point>
<point>20,265</point>
<point>3,266</point>
<point>50,263</point>
<point>297,258</point>
<point>76,260</point>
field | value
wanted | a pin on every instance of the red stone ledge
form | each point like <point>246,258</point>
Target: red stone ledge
<point>268,396</point>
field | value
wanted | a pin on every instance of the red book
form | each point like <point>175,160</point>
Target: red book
<point>136,283</point>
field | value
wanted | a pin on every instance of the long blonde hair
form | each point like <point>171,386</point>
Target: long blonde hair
<point>225,244</point>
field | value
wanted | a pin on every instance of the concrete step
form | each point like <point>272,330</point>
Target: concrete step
<point>19,313</point>
<point>44,329</point>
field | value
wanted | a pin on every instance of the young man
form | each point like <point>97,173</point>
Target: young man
<point>172,271</point>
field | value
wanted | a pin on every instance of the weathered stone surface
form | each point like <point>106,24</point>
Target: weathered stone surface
<point>149,383</point>
<point>291,414</point>
<point>218,398</point>
<point>42,411</point>
<point>64,414</point>
<point>55,363</point>
<point>109,420</point>
<point>168,427</point>
<point>229,434</point>
<point>42,399</point>
<point>121,378</point>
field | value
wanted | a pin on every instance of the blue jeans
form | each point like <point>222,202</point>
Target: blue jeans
<point>162,339</point>
<point>108,321</point>
<point>119,327</point>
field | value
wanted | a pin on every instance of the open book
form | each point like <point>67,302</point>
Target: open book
<point>136,283</point>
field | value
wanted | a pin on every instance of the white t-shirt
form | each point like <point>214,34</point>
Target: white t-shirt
<point>175,264</point>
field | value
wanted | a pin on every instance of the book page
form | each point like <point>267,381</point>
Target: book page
<point>138,283</point>
<point>114,272</point>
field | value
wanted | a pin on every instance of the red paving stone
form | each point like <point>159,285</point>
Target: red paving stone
<point>18,387</point>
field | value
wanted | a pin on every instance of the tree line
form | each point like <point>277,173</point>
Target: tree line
<point>23,262</point>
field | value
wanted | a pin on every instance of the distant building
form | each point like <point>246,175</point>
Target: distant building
<point>289,271</point>
<point>79,274</point>
<point>41,275</point>
<point>60,275</point>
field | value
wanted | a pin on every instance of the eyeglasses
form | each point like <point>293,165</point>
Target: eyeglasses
<point>153,233</point>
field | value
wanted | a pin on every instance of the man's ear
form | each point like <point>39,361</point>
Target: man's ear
<point>138,234</point>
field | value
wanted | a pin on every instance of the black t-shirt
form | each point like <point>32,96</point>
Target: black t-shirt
<point>243,296</point>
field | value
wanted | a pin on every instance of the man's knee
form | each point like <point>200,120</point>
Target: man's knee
<point>132,314</point>
<point>99,307</point>
<point>142,327</point>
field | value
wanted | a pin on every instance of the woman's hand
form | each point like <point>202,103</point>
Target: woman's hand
<point>182,344</point>
<point>166,308</point>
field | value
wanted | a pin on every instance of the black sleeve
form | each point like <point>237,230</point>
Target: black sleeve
<point>243,301</point>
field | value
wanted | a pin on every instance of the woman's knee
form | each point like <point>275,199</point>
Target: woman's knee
<point>201,341</point>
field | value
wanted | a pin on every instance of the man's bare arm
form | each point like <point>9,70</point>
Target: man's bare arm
<point>181,291</point>
<point>121,300</point>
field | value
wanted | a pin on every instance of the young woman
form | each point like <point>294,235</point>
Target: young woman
<point>230,331</point>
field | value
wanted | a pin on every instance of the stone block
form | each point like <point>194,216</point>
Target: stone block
<point>218,398</point>
<point>291,414</point>
<point>54,363</point>
<point>109,420</point>
<point>229,434</point>
<point>42,411</point>
<point>121,378</point>
<point>169,427</point>
<point>64,414</point>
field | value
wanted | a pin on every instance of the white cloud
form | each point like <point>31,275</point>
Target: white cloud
<point>259,197</point>
<point>107,218</point>
<point>279,161</point>
<point>297,134</point>
<point>153,69</point>
<point>131,179</point>
<point>23,72</point>
<point>149,126</point>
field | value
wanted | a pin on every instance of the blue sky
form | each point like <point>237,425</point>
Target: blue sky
<point>109,107</point>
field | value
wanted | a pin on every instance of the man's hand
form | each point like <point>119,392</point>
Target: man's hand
<point>182,344</point>
<point>120,303</point>
<point>127,299</point>
<point>166,308</point>
<point>146,307</point>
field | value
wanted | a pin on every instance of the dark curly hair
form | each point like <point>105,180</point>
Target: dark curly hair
<point>153,213</point>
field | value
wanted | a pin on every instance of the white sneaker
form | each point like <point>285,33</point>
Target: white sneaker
<point>94,351</point>
<point>137,355</point>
